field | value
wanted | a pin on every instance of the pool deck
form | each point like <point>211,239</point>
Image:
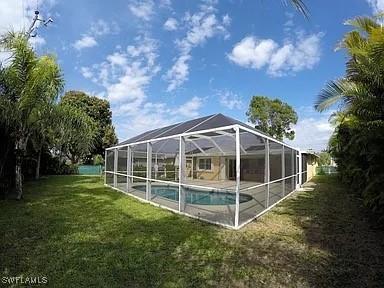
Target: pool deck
<point>224,214</point>
<point>221,184</point>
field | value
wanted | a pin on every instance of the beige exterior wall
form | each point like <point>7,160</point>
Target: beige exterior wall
<point>216,171</point>
<point>312,163</point>
<point>219,170</point>
<point>254,171</point>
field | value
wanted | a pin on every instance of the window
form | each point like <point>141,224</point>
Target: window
<point>205,164</point>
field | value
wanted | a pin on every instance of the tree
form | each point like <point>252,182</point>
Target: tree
<point>100,112</point>
<point>109,137</point>
<point>7,143</point>
<point>75,133</point>
<point>324,158</point>
<point>356,93</point>
<point>272,116</point>
<point>357,143</point>
<point>42,135</point>
<point>30,86</point>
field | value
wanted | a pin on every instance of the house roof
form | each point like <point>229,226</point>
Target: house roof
<point>310,153</point>
<point>194,125</point>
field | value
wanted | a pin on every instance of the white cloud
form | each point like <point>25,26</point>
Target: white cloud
<point>253,53</point>
<point>170,24</point>
<point>154,115</point>
<point>201,26</point>
<point>85,42</point>
<point>12,16</point>
<point>227,20</point>
<point>124,76</point>
<point>178,74</point>
<point>295,55</point>
<point>376,5</point>
<point>17,14</point>
<point>86,72</point>
<point>148,119</point>
<point>289,24</point>
<point>5,57</point>
<point>98,29</point>
<point>137,74</point>
<point>230,100</point>
<point>130,86</point>
<point>312,130</point>
<point>142,9</point>
<point>101,28</point>
<point>37,41</point>
<point>117,58</point>
<point>312,133</point>
<point>190,108</point>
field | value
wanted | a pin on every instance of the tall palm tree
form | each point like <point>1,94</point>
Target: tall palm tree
<point>357,143</point>
<point>31,85</point>
<point>360,92</point>
<point>43,134</point>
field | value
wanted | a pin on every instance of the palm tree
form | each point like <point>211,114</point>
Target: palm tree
<point>357,143</point>
<point>360,92</point>
<point>31,85</point>
<point>43,134</point>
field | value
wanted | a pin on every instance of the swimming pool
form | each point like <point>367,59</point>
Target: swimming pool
<point>193,196</point>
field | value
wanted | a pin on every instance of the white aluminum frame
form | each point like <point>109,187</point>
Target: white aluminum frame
<point>182,138</point>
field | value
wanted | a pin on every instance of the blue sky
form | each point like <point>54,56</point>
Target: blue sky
<point>160,62</point>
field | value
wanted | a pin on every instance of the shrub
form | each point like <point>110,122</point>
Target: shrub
<point>57,166</point>
<point>98,160</point>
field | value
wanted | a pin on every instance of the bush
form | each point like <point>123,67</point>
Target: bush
<point>69,169</point>
<point>320,171</point>
<point>56,166</point>
<point>98,160</point>
<point>359,155</point>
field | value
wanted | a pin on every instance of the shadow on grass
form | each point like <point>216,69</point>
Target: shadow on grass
<point>80,234</point>
<point>336,222</point>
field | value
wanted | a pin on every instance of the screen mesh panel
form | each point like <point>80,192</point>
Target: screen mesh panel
<point>196,173</point>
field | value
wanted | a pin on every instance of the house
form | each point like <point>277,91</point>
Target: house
<point>310,162</point>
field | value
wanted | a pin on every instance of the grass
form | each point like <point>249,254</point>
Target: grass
<point>78,233</point>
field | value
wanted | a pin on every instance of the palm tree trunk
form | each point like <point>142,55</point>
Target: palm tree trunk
<point>20,145</point>
<point>37,172</point>
<point>19,179</point>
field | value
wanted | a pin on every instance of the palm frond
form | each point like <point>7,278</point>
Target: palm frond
<point>334,92</point>
<point>301,7</point>
<point>364,24</point>
<point>337,118</point>
<point>354,43</point>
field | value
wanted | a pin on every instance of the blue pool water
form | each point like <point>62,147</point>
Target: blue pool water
<point>198,197</point>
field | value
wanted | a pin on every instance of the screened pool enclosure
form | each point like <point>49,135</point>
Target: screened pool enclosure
<point>214,168</point>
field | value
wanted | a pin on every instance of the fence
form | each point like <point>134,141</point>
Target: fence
<point>90,169</point>
<point>326,170</point>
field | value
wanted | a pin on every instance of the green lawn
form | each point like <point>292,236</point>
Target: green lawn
<point>78,233</point>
